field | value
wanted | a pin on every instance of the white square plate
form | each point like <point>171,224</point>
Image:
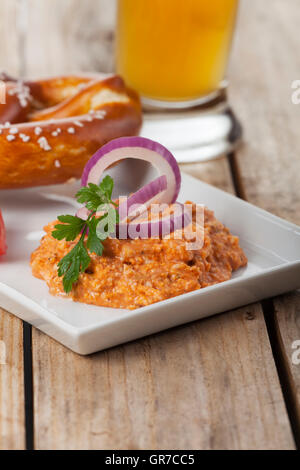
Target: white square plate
<point>272,246</point>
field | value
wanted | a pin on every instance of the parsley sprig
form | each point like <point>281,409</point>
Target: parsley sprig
<point>97,198</point>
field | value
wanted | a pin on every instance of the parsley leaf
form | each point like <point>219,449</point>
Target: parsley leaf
<point>93,243</point>
<point>76,261</point>
<point>96,198</point>
<point>90,196</point>
<point>107,186</point>
<point>69,229</point>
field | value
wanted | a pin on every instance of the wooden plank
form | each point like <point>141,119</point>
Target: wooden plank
<point>12,433</point>
<point>287,328</point>
<point>269,162</point>
<point>208,385</point>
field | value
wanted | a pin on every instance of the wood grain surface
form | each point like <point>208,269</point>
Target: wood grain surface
<point>287,327</point>
<point>262,73</point>
<point>212,384</point>
<point>208,385</point>
<point>12,432</point>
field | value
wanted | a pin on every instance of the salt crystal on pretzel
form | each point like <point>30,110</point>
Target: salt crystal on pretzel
<point>38,130</point>
<point>13,130</point>
<point>43,143</point>
<point>22,92</point>
<point>24,137</point>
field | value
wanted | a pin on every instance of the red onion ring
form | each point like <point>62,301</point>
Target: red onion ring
<point>145,197</point>
<point>138,148</point>
<point>155,228</point>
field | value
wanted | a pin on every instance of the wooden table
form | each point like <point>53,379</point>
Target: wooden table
<point>227,382</point>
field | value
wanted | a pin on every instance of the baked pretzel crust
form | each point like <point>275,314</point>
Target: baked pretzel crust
<point>50,128</point>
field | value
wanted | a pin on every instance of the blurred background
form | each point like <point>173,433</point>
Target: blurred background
<point>56,36</point>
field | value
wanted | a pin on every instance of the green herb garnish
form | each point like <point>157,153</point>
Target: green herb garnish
<point>97,198</point>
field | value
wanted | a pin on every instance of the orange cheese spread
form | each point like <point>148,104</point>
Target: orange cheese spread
<point>135,273</point>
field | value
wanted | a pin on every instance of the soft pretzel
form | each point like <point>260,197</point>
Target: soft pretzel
<point>50,128</point>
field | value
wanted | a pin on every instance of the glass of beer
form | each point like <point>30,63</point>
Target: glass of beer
<point>175,52</point>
